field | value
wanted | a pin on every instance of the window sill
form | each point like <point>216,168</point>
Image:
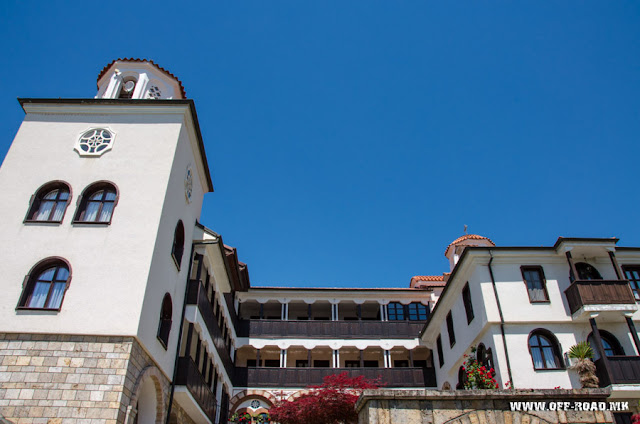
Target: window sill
<point>162,343</point>
<point>35,221</point>
<point>175,261</point>
<point>26,308</point>
<point>549,369</point>
<point>91,223</point>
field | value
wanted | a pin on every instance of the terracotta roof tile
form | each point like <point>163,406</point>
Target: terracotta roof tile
<point>423,281</point>
<point>106,68</point>
<point>428,278</point>
<point>467,237</point>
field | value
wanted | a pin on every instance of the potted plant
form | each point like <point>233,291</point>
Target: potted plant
<point>584,366</point>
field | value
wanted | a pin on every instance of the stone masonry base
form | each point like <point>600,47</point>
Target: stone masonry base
<point>63,379</point>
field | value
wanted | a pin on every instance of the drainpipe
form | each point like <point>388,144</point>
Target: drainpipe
<point>504,338</point>
<point>184,310</point>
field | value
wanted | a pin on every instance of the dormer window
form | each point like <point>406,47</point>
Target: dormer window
<point>127,88</point>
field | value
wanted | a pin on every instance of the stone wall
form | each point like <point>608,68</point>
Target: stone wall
<point>63,379</point>
<point>474,407</point>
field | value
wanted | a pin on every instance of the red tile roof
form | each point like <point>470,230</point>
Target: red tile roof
<point>467,237</point>
<point>106,68</point>
<point>420,281</point>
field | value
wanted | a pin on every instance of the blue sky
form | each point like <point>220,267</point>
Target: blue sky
<point>350,142</point>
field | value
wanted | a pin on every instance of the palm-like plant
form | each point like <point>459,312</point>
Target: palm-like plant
<point>584,366</point>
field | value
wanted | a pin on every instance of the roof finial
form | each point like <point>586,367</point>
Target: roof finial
<point>465,229</point>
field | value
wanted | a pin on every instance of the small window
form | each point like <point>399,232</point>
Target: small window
<point>46,285</point>
<point>396,311</point>
<point>462,379</point>
<point>439,348</point>
<point>178,244</point>
<point>535,282</point>
<point>97,204</point>
<point>633,275</point>
<point>164,328</point>
<point>587,272</point>
<point>418,312</point>
<point>49,203</point>
<point>481,354</point>
<point>452,335</point>
<point>545,350</point>
<point>468,307</point>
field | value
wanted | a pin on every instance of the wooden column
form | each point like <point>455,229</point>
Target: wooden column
<point>616,267</point>
<point>257,357</point>
<point>361,358</point>
<point>599,347</point>
<point>572,266</point>
<point>634,334</point>
<point>411,358</point>
<point>309,356</point>
<point>262,311</point>
<point>309,311</point>
<point>359,312</point>
<point>187,352</point>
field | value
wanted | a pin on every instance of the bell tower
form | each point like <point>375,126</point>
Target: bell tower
<point>103,196</point>
<point>138,79</point>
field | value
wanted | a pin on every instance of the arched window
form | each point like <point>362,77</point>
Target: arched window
<point>164,327</point>
<point>97,203</point>
<point>49,203</point>
<point>587,272</point>
<point>45,285</point>
<point>462,378</point>
<point>481,354</point>
<point>395,311</point>
<point>178,244</point>
<point>610,344</point>
<point>418,311</point>
<point>544,350</point>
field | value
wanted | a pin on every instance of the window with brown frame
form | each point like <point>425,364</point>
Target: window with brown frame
<point>46,285</point>
<point>49,203</point>
<point>533,276</point>
<point>178,244</point>
<point>439,348</point>
<point>164,326</point>
<point>544,350</point>
<point>632,272</point>
<point>452,334</point>
<point>97,203</point>
<point>466,299</point>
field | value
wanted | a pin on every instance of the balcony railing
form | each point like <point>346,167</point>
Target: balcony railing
<point>197,295</point>
<point>598,292</point>
<point>189,376</point>
<point>364,329</point>
<point>623,370</point>
<point>303,377</point>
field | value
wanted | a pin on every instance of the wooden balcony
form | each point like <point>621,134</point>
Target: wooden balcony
<point>599,292</point>
<point>189,376</point>
<point>623,370</point>
<point>303,377</point>
<point>363,329</point>
<point>196,295</point>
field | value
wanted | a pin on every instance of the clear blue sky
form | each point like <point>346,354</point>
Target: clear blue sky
<point>350,141</point>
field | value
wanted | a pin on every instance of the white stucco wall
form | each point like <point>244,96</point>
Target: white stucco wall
<point>121,271</point>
